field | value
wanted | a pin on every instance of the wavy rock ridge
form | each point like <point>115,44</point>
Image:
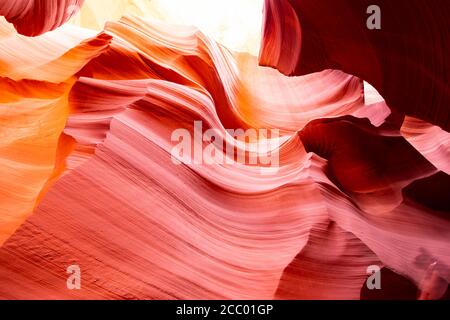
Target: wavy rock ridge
<point>86,125</point>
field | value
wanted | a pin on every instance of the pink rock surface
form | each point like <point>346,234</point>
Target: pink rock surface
<point>35,17</point>
<point>356,186</point>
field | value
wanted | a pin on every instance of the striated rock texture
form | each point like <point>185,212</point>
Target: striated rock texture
<point>89,176</point>
<point>35,17</point>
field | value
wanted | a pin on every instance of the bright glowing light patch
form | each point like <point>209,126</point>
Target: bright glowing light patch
<point>234,23</point>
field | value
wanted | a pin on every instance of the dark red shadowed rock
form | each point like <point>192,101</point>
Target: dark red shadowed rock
<point>431,192</point>
<point>393,287</point>
<point>406,60</point>
<point>363,158</point>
